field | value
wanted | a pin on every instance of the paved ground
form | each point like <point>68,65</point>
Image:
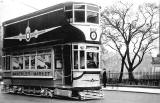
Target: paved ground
<point>133,89</point>
<point>110,96</point>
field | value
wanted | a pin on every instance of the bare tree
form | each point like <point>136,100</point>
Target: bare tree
<point>130,33</point>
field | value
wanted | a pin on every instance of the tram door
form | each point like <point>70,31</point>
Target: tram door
<point>67,59</point>
<point>58,64</point>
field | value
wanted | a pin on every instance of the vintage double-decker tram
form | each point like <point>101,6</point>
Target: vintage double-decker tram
<point>54,52</point>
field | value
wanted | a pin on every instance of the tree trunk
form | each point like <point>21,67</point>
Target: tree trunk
<point>131,77</point>
<point>121,72</point>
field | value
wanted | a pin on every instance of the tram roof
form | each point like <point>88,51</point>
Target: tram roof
<point>51,8</point>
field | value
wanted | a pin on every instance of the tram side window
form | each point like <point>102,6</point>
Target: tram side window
<point>58,57</point>
<point>33,62</point>
<point>48,61</point>
<point>26,62</point>
<point>58,63</point>
<point>92,60</point>
<point>3,62</point>
<point>69,13</point>
<point>40,62</point>
<point>15,63</point>
<point>82,60</point>
<point>6,63</point>
<point>68,7</point>
<point>21,62</point>
<point>69,16</point>
<point>75,59</point>
<point>44,61</point>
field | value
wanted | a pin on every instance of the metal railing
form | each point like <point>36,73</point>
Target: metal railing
<point>141,79</point>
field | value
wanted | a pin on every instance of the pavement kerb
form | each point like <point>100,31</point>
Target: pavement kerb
<point>132,89</point>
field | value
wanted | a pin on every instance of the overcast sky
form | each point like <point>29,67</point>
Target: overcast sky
<point>13,8</point>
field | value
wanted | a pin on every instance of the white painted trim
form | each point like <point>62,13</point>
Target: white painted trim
<point>34,16</point>
<point>31,76</point>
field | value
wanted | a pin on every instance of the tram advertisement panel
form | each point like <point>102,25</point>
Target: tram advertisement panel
<point>32,74</point>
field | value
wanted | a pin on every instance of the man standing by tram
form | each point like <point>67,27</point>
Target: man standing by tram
<point>104,77</point>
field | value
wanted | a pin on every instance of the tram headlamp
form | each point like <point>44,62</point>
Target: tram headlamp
<point>93,35</point>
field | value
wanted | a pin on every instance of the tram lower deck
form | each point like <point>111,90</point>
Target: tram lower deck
<point>70,70</point>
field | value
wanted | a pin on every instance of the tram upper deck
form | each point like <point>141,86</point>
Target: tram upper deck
<point>65,22</point>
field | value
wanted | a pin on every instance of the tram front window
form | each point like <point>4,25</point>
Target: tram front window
<point>79,16</point>
<point>92,14</point>
<point>92,17</point>
<point>79,11</point>
<point>92,60</point>
<point>82,13</point>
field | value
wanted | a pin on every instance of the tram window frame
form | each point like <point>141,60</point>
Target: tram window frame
<point>58,64</point>
<point>42,54</point>
<point>33,66</point>
<point>69,13</point>
<point>79,6</point>
<point>28,54</point>
<point>82,59</point>
<point>6,62</point>
<point>91,18</point>
<point>49,61</point>
<point>25,62</point>
<point>21,65</point>
<point>79,18</point>
<point>68,7</point>
<point>92,9</point>
<point>93,64</point>
<point>20,62</point>
<point>58,57</point>
<point>79,61</point>
<point>75,60</point>
<point>82,13</point>
<point>15,61</point>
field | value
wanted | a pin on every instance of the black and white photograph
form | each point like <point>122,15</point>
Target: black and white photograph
<point>79,51</point>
